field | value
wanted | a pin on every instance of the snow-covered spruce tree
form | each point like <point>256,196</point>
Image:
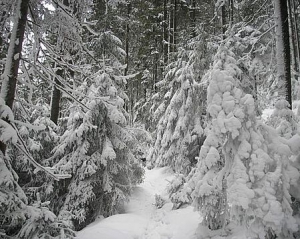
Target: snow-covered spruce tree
<point>285,123</point>
<point>40,135</point>
<point>144,104</point>
<point>19,219</point>
<point>179,134</point>
<point>253,50</point>
<point>13,201</point>
<point>283,120</point>
<point>241,181</point>
<point>98,150</point>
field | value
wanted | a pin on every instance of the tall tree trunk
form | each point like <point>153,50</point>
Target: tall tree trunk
<point>127,39</point>
<point>295,27</point>
<point>9,77</point>
<point>165,33</point>
<point>223,20</point>
<point>2,24</point>
<point>174,26</point>
<point>170,28</point>
<point>283,48</point>
<point>193,16</point>
<point>56,95</point>
<point>128,106</point>
<point>293,38</point>
<point>231,12</point>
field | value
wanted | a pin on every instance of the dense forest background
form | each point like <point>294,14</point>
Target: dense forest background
<point>88,88</point>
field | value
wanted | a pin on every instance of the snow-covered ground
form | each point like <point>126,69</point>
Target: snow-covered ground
<point>142,220</point>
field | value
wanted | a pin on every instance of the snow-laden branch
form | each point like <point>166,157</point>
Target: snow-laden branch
<point>61,88</point>
<point>22,147</point>
<point>10,133</point>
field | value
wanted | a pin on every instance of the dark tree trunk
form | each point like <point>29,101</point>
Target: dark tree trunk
<point>127,39</point>
<point>175,26</point>
<point>2,24</point>
<point>293,39</point>
<point>165,33</point>
<point>223,20</point>
<point>296,22</point>
<point>13,62</point>
<point>171,32</point>
<point>193,16</point>
<point>56,95</point>
<point>9,80</point>
<point>283,48</point>
<point>294,35</point>
<point>231,11</point>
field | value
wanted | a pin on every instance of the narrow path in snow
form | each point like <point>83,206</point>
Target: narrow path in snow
<point>142,220</point>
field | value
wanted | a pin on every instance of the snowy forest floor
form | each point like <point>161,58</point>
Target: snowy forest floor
<point>142,220</point>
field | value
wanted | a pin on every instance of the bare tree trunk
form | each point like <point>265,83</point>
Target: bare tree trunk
<point>296,35</point>
<point>9,77</point>
<point>193,16</point>
<point>223,20</point>
<point>283,48</point>
<point>231,12</point>
<point>165,33</point>
<point>55,101</point>
<point>170,40</point>
<point>127,39</point>
<point>174,26</point>
<point>293,38</point>
<point>2,24</point>
<point>56,93</point>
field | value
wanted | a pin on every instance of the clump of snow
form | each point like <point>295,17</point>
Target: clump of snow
<point>7,132</point>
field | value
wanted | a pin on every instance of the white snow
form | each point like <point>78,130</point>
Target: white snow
<point>142,220</point>
<point>266,114</point>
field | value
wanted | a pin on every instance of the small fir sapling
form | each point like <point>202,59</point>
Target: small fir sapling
<point>159,201</point>
<point>179,192</point>
<point>283,119</point>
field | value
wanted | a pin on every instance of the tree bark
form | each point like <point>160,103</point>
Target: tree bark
<point>174,26</point>
<point>165,33</point>
<point>127,39</point>
<point>231,12</point>
<point>193,16</point>
<point>2,24</point>
<point>56,93</point>
<point>293,38</point>
<point>170,28</point>
<point>9,77</point>
<point>55,101</point>
<point>283,48</point>
<point>223,20</point>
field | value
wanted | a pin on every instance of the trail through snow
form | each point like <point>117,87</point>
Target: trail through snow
<point>142,220</point>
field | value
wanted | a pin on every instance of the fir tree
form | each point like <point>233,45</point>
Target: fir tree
<point>243,173</point>
<point>179,133</point>
<point>23,219</point>
<point>98,150</point>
